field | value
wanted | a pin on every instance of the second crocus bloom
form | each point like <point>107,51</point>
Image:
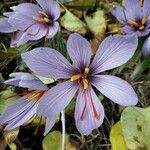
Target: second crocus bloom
<point>82,75</point>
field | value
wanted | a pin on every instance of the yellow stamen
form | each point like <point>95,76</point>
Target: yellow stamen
<point>76,77</point>
<point>38,19</point>
<point>144,19</point>
<point>86,70</point>
<point>46,20</point>
<point>44,14</point>
<point>141,3</point>
<point>34,95</point>
<point>133,23</point>
<point>85,83</point>
<point>141,27</point>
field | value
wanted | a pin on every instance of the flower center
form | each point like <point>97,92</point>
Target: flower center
<point>139,25</point>
<point>82,78</point>
<point>43,19</point>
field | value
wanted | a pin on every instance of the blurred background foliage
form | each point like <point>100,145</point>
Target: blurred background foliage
<point>92,19</point>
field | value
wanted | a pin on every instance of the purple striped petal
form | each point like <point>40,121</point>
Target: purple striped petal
<point>19,38</point>
<point>88,122</point>
<point>146,48</point>
<point>53,29</point>
<point>133,9</point>
<point>50,7</point>
<point>79,50</point>
<point>146,8</point>
<point>5,27</point>
<point>129,29</point>
<point>57,98</point>
<point>113,52</point>
<point>26,80</point>
<point>118,12</point>
<point>115,89</point>
<point>50,121</point>
<point>48,62</point>
<point>21,22</point>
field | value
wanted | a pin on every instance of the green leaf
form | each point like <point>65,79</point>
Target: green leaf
<point>7,97</point>
<point>53,141</point>
<point>141,67</point>
<point>72,23</point>
<point>136,128</point>
<point>116,137</point>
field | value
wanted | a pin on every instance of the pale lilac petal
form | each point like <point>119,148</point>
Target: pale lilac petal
<point>118,12</point>
<point>57,98</point>
<point>48,62</point>
<point>15,109</point>
<point>5,27</point>
<point>89,122</point>
<point>132,9</point>
<point>50,121</point>
<point>79,50</point>
<point>146,48</point>
<point>53,29</point>
<point>26,80</point>
<point>23,117</point>
<point>51,7</point>
<point>65,1</point>
<point>146,8</point>
<point>113,52</point>
<point>36,31</point>
<point>20,21</point>
<point>115,89</point>
<point>28,9</point>
<point>129,29</point>
<point>19,38</point>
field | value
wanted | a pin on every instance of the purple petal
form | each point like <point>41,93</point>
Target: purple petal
<point>146,48</point>
<point>146,8</point>
<point>132,9</point>
<point>48,62</point>
<point>19,38</point>
<point>20,21</point>
<point>15,109</point>
<point>65,1</point>
<point>37,31</point>
<point>79,50</point>
<point>57,98</point>
<point>5,27</point>
<point>26,80</point>
<point>22,118</point>
<point>113,52</point>
<point>115,89</point>
<point>28,9</point>
<point>53,29</point>
<point>50,7</point>
<point>129,29</point>
<point>50,121</point>
<point>89,122</point>
<point>118,12</point>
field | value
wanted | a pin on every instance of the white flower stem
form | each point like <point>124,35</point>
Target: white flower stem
<point>63,129</point>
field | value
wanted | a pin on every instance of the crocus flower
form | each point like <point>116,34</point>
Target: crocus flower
<point>32,21</point>
<point>82,76</point>
<point>134,16</point>
<point>146,48</point>
<point>23,109</point>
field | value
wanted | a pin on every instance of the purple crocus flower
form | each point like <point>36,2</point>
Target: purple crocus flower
<point>134,16</point>
<point>25,107</point>
<point>82,76</point>
<point>32,22</point>
<point>146,48</point>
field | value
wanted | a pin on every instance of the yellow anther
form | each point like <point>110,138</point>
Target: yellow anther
<point>141,3</point>
<point>34,95</point>
<point>38,19</point>
<point>44,14</point>
<point>86,70</point>
<point>133,23</point>
<point>46,20</point>
<point>85,83</point>
<point>141,27</point>
<point>76,77</point>
<point>144,19</point>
